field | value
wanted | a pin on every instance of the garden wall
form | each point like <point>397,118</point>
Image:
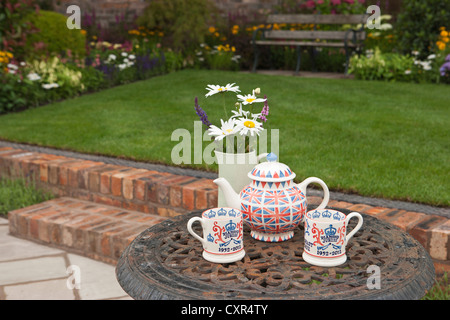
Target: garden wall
<point>107,11</point>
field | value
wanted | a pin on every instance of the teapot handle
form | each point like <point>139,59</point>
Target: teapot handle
<point>326,193</point>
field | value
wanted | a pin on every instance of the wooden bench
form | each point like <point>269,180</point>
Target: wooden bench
<point>350,40</point>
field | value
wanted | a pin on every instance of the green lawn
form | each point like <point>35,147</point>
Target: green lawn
<point>374,138</point>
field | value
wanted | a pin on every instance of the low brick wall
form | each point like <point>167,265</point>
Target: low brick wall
<point>147,191</point>
<point>166,195</point>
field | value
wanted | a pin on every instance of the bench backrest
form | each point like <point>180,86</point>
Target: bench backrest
<point>317,18</point>
<point>313,19</point>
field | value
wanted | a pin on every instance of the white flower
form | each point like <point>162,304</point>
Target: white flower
<point>415,53</point>
<point>33,76</point>
<point>122,66</point>
<point>431,56</point>
<point>49,86</point>
<point>248,127</point>
<point>385,26</point>
<point>250,98</point>
<point>124,54</point>
<point>408,71</point>
<point>213,89</point>
<point>227,128</point>
<point>12,66</point>
<point>132,56</point>
<point>240,113</point>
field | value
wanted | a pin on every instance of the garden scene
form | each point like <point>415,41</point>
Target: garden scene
<point>134,87</point>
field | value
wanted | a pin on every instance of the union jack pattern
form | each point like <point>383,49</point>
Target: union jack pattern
<point>272,212</point>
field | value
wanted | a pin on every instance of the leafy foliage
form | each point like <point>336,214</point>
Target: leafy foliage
<point>13,28</point>
<point>53,36</point>
<point>418,25</point>
<point>183,22</point>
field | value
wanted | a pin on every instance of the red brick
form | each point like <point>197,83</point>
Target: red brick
<point>422,231</point>
<point>117,179</point>
<point>74,171</point>
<point>359,207</point>
<point>105,178</point>
<point>374,211</point>
<point>151,183</point>
<point>341,204</point>
<point>440,241</point>
<point>164,186</point>
<point>212,198</point>
<point>407,220</point>
<point>95,178</point>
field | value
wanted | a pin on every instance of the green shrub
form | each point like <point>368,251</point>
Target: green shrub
<point>184,23</point>
<point>376,65</point>
<point>54,37</point>
<point>419,23</point>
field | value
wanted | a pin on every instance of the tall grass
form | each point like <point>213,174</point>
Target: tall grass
<point>18,193</point>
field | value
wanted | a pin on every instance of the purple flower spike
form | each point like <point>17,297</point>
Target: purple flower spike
<point>264,111</point>
<point>202,114</point>
<point>445,68</point>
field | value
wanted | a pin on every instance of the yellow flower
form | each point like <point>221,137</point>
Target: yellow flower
<point>441,45</point>
<point>444,33</point>
<point>445,39</point>
<point>1,60</point>
<point>212,29</point>
<point>83,32</point>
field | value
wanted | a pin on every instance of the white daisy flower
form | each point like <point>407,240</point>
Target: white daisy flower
<point>213,89</point>
<point>240,112</point>
<point>250,98</point>
<point>248,127</point>
<point>49,86</point>
<point>33,76</point>
<point>227,128</point>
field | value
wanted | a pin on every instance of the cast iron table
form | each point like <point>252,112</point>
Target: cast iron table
<point>164,262</point>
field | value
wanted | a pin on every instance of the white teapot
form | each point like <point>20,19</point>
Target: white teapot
<point>272,204</point>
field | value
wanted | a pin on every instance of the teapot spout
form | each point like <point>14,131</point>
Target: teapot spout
<point>231,197</point>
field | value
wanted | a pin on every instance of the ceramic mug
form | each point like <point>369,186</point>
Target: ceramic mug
<point>222,234</point>
<point>326,238</point>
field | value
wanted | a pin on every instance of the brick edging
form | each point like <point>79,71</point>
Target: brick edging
<point>166,194</point>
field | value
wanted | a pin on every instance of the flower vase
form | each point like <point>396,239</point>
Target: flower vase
<point>235,168</point>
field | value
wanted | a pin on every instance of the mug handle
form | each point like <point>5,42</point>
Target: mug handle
<point>191,231</point>
<point>326,192</point>
<point>355,229</point>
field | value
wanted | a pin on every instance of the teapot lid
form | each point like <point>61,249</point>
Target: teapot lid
<point>271,171</point>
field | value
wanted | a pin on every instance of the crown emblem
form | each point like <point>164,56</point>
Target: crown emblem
<point>222,212</point>
<point>315,214</point>
<point>230,226</point>
<point>330,231</point>
<point>326,214</point>
<point>232,213</point>
<point>210,238</point>
<point>337,216</point>
<point>211,214</point>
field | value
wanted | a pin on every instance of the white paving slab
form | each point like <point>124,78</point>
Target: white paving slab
<point>97,279</point>
<point>41,290</point>
<point>12,248</point>
<point>43,268</point>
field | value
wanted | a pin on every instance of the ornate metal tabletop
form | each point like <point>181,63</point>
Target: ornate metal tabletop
<point>165,262</point>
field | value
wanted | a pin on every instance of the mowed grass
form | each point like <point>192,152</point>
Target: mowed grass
<point>376,139</point>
